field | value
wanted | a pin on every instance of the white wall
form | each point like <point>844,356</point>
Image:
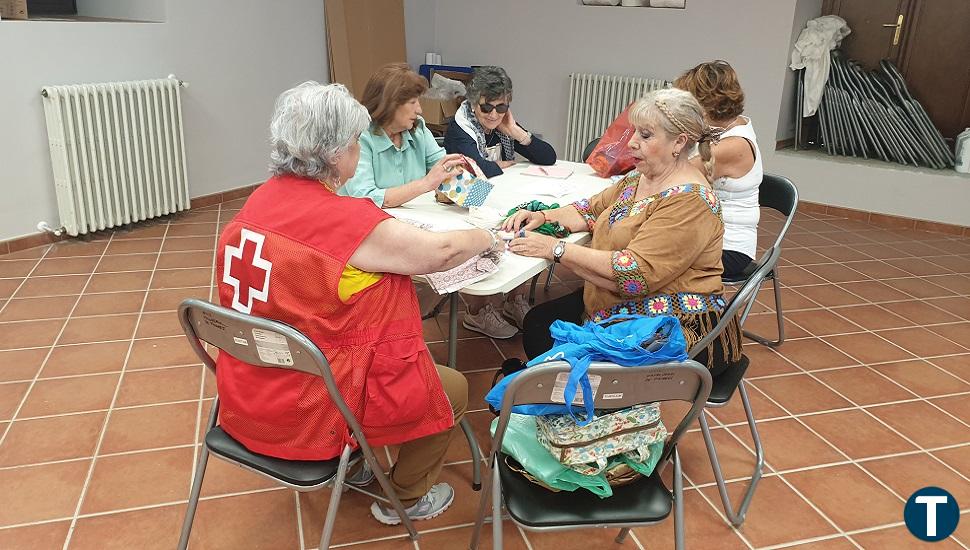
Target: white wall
<point>419,23</point>
<point>540,42</point>
<point>138,10</point>
<point>236,56</point>
<point>804,11</point>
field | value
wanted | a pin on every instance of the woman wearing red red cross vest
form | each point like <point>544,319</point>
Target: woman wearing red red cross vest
<point>338,269</point>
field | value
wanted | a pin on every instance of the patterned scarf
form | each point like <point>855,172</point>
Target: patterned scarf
<point>467,121</point>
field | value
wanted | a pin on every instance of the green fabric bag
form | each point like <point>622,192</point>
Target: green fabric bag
<point>552,229</point>
<point>521,443</point>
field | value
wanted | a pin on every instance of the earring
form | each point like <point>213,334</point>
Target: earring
<point>676,154</point>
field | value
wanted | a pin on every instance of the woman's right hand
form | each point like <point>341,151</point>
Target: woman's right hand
<point>443,170</point>
<point>524,219</point>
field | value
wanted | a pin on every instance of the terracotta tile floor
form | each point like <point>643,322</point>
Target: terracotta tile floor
<point>101,402</point>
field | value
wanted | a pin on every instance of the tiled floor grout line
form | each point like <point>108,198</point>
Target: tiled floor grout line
<point>102,373</point>
<point>200,409</point>
<point>114,400</point>
<point>720,514</point>
<point>846,462</point>
<point>923,399</point>
<point>50,349</point>
<point>91,456</point>
<point>299,519</point>
<point>829,443</point>
<point>879,420</point>
<point>119,408</point>
<point>23,281</point>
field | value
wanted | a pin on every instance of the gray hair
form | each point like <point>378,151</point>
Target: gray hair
<point>489,82</point>
<point>312,125</point>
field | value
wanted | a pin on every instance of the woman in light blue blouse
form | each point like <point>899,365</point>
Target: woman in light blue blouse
<point>399,158</point>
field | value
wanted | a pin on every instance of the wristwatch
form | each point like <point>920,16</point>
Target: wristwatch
<point>558,251</point>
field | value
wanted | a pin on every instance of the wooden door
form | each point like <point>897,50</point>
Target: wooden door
<point>873,25</point>
<point>936,62</point>
<point>930,46</point>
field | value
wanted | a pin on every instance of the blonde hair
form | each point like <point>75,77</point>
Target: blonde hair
<point>677,112</point>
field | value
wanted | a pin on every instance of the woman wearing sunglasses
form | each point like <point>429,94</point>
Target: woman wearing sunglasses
<point>485,130</point>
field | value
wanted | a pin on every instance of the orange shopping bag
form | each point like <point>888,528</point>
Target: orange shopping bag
<point>611,155</point>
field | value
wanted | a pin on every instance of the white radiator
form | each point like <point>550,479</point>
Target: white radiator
<point>595,100</point>
<point>117,151</point>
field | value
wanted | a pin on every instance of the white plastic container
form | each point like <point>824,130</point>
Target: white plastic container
<point>963,152</point>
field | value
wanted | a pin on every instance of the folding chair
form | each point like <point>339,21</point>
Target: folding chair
<point>778,193</point>
<point>229,330</point>
<point>644,502</point>
<point>589,149</point>
<point>726,382</point>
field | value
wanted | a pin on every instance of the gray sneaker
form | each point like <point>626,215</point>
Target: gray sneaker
<point>431,505</point>
<point>488,322</point>
<point>515,309</point>
<point>363,477</point>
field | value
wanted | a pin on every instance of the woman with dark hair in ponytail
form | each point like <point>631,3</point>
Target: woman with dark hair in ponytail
<point>656,247</point>
<point>738,170</point>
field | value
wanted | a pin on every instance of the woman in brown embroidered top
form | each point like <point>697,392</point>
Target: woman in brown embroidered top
<point>656,246</point>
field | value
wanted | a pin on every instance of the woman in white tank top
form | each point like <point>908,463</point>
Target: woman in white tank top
<point>737,159</point>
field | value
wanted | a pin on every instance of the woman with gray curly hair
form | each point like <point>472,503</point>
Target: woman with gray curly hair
<point>485,130</point>
<point>338,269</point>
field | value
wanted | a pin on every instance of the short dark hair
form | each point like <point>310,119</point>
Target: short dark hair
<point>390,87</point>
<point>716,87</point>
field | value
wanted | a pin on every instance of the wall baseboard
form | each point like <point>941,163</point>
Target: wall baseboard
<point>40,239</point>
<point>884,220</point>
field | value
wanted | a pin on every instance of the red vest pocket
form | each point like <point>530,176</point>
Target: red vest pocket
<point>397,392</point>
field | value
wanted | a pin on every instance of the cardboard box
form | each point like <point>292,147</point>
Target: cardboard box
<point>13,9</point>
<point>362,37</point>
<point>438,111</point>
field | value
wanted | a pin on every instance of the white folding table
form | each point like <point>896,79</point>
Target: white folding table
<point>511,189</point>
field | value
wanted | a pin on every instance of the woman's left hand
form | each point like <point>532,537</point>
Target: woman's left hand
<point>533,245</point>
<point>508,125</point>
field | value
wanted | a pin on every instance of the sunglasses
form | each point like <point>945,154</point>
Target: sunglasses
<point>486,108</point>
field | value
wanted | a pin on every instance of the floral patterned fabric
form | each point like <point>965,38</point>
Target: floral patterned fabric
<point>626,271</point>
<point>583,207</point>
<point>588,448</point>
<point>678,305</point>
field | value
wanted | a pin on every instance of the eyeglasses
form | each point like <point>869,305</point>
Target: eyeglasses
<point>486,108</point>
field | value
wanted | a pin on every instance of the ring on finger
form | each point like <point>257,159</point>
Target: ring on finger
<point>449,168</point>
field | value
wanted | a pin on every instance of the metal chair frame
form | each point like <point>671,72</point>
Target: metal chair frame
<point>788,210</point>
<point>229,331</point>
<point>742,302</point>
<point>687,381</point>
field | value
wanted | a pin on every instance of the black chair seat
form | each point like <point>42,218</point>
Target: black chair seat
<point>725,383</point>
<point>643,501</point>
<point>303,473</point>
<point>737,278</point>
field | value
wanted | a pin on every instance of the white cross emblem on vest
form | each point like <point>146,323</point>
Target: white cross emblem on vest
<point>246,271</point>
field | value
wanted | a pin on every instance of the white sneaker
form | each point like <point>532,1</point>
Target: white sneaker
<point>363,477</point>
<point>515,309</point>
<point>431,505</point>
<point>488,322</point>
